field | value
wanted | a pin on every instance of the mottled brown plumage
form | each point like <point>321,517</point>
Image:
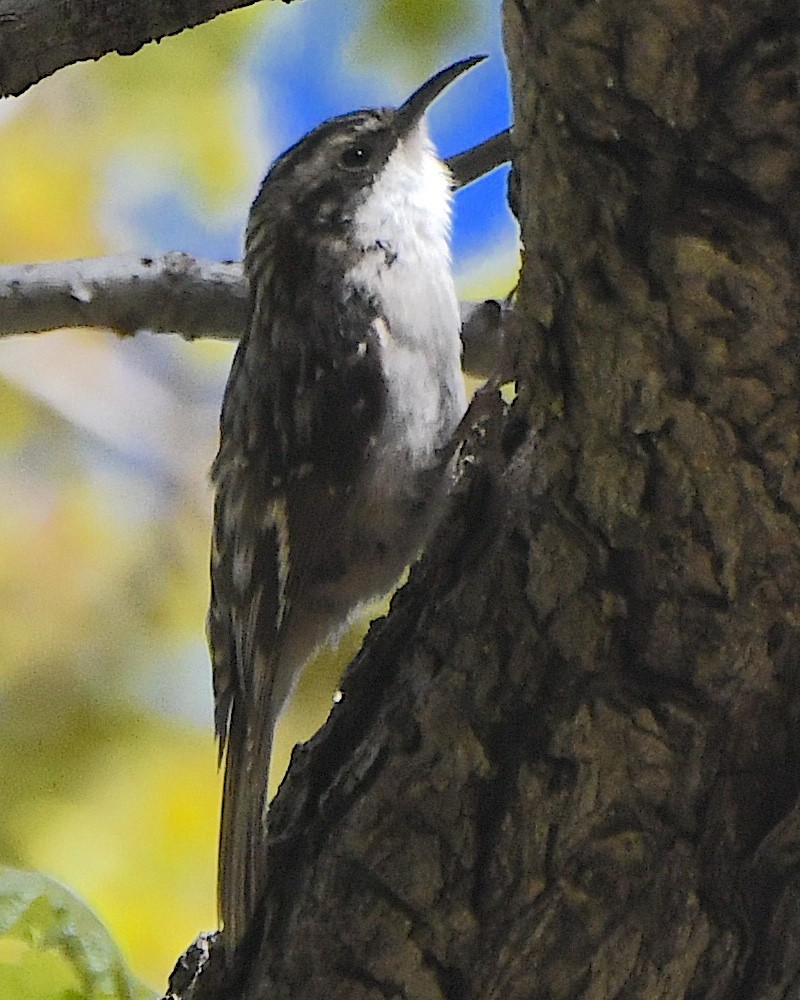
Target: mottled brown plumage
<point>343,393</point>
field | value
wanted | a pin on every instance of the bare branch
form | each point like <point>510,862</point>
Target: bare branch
<point>35,41</point>
<point>175,293</point>
<point>179,294</point>
<point>171,294</point>
<point>474,163</point>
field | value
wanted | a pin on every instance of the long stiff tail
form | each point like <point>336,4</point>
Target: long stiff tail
<point>243,825</point>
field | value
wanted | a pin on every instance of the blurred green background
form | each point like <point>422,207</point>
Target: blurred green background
<point>108,776</point>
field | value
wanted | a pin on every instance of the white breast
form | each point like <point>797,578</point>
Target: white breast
<point>404,229</point>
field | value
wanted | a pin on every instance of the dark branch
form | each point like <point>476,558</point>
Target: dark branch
<point>35,41</point>
<point>481,159</point>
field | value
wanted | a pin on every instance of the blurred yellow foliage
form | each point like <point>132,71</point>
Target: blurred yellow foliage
<point>148,813</point>
<point>47,202</point>
<point>418,29</point>
<point>107,761</point>
<point>27,974</point>
<point>103,580</point>
<point>54,542</point>
<point>16,417</point>
<point>180,100</point>
<point>176,104</point>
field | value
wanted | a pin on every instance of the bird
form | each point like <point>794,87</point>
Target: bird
<point>333,463</point>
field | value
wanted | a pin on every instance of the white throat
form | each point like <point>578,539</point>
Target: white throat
<point>403,230</point>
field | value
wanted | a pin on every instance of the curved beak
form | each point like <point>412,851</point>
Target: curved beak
<point>409,113</point>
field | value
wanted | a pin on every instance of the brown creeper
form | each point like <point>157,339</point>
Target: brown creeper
<point>343,394</point>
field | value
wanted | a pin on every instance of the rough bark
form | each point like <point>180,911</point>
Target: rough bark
<point>38,37</point>
<point>567,764</point>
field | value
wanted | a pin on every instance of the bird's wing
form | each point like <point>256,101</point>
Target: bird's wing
<point>248,579</point>
<point>296,418</point>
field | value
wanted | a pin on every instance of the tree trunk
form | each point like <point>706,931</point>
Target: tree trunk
<point>567,764</point>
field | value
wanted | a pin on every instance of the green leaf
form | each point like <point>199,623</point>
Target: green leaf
<point>66,953</point>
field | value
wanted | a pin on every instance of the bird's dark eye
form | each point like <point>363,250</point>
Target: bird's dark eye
<point>357,156</point>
